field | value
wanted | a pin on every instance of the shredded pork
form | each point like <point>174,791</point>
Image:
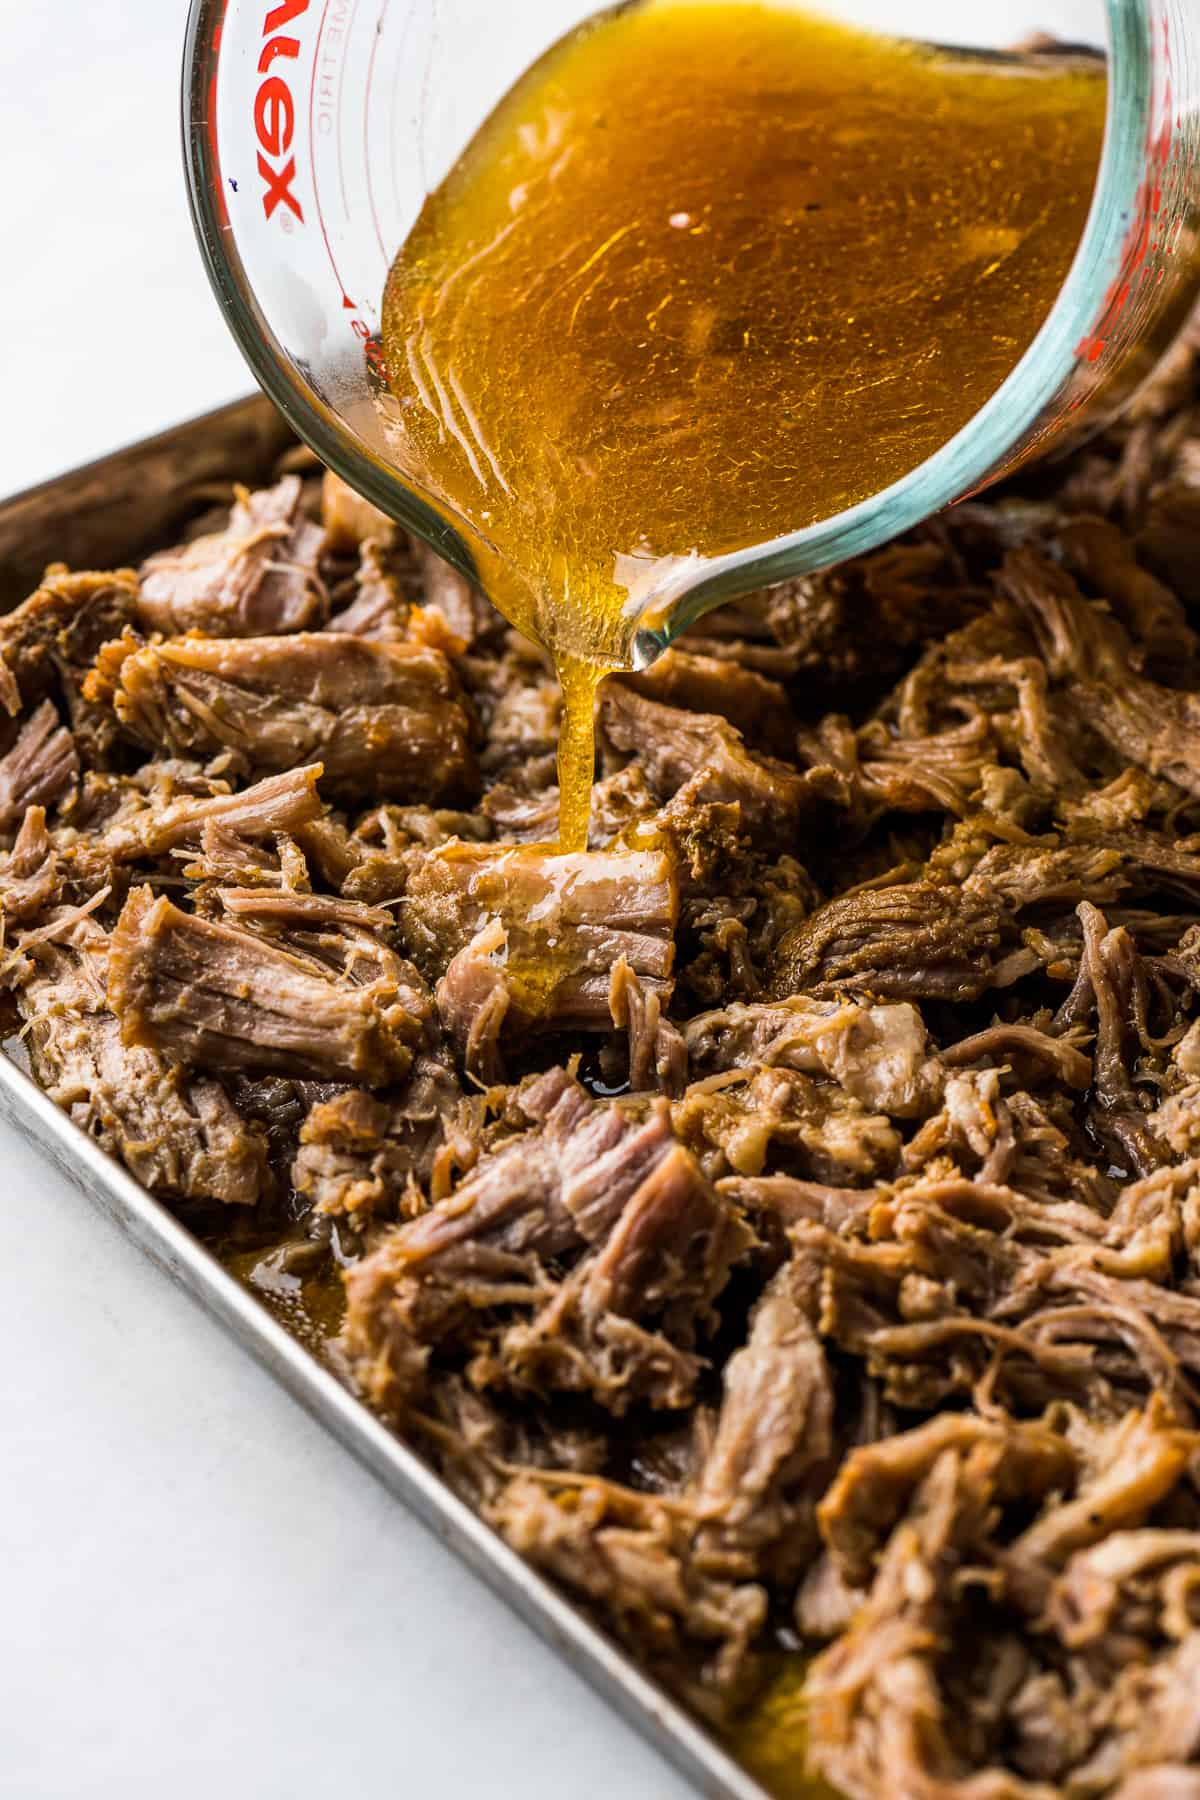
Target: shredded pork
<point>782,1220</point>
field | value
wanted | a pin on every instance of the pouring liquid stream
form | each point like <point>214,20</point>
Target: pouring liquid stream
<point>712,271</point>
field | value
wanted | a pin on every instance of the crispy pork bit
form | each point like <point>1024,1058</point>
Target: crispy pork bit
<point>258,575</point>
<point>213,996</point>
<point>387,720</point>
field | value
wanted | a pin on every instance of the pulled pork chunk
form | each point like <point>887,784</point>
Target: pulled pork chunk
<point>40,768</point>
<point>612,1191</point>
<point>895,1710</point>
<point>773,1442</point>
<point>878,1054</point>
<point>628,1557</point>
<point>30,877</point>
<point>259,575</point>
<point>387,604</point>
<point>483,1245</point>
<point>386,719</point>
<point>1070,1710</point>
<point>218,997</point>
<point>876,1485</point>
<point>363,1157</point>
<point>968,1286</point>
<point>177,1132</point>
<point>778,1116</point>
<point>379,608</point>
<point>657,1052</point>
<point>49,642</point>
<point>165,819</point>
<point>1103,557</point>
<point>1152,727</point>
<point>700,757</point>
<point>755,706</point>
<point>348,519</point>
<point>527,937</point>
<point>910,942</point>
<point>665,1260</point>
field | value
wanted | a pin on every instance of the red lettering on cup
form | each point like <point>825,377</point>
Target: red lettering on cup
<point>275,110</point>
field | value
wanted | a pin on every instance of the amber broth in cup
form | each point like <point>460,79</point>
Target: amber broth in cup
<point>713,271</point>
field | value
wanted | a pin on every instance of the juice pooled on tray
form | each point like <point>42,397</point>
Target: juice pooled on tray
<point>713,271</point>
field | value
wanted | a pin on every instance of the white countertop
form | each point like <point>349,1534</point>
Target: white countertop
<point>203,1594</point>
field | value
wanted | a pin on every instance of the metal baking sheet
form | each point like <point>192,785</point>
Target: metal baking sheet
<point>109,513</point>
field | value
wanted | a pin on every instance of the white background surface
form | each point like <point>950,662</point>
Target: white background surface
<point>202,1595</point>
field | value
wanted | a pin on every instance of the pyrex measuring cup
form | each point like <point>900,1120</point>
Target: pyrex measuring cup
<point>315,128</point>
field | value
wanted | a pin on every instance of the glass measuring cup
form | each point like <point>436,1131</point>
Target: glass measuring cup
<point>314,129</point>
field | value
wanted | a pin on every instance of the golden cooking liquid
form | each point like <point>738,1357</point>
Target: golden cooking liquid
<point>771,1738</point>
<point>712,271</point>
